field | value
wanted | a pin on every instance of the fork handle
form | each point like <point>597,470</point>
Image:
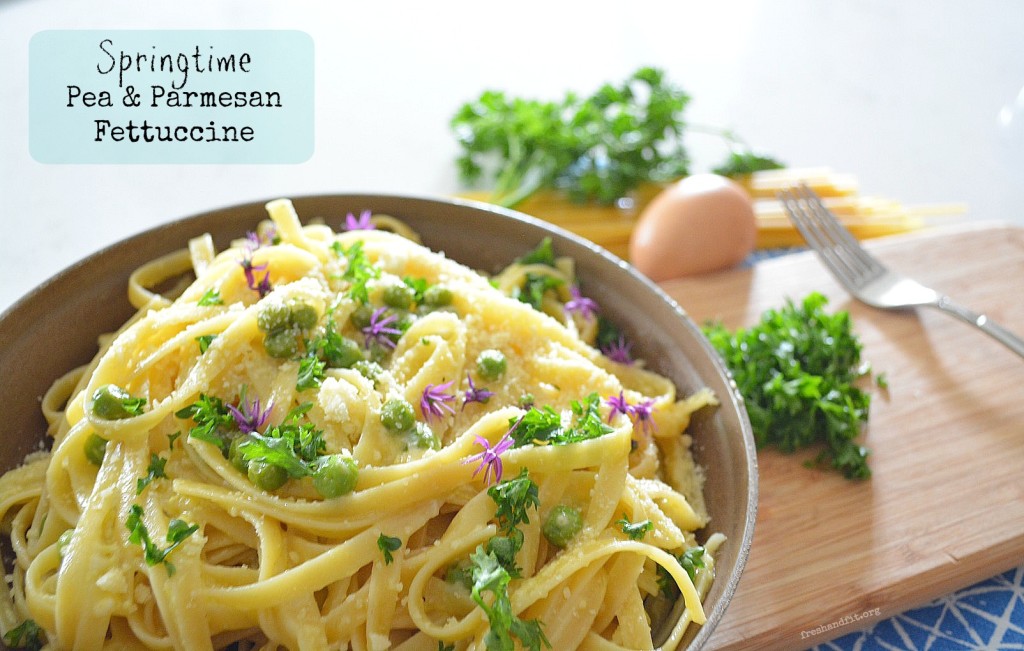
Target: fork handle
<point>983,323</point>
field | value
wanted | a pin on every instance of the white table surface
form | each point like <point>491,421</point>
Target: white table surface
<point>922,100</point>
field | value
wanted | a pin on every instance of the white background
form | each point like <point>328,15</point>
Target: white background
<point>921,100</point>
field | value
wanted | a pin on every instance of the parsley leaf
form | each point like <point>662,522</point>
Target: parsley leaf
<point>177,532</point>
<point>536,285</point>
<point>543,253</point>
<point>690,560</point>
<point>513,497</point>
<point>489,576</point>
<point>211,297</point>
<point>544,425</point>
<point>212,420</point>
<point>418,286</point>
<point>742,163</point>
<point>204,342</point>
<point>311,372</point>
<point>155,470</point>
<point>796,369</point>
<point>359,271</point>
<point>635,530</point>
<point>26,635</point>
<point>293,445</point>
<point>387,545</point>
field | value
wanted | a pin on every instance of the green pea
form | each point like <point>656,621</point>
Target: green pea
<point>398,295</point>
<point>304,315</point>
<point>345,354</point>
<point>235,455</point>
<point>369,370</point>
<point>437,296</point>
<point>504,549</point>
<point>281,344</point>
<point>491,364</point>
<point>460,573</point>
<point>273,317</point>
<point>379,353</point>
<point>562,524</point>
<point>109,402</point>
<point>336,475</point>
<point>397,415</point>
<point>405,320</point>
<point>422,437</point>
<point>266,476</point>
<point>95,449</point>
<point>361,316</point>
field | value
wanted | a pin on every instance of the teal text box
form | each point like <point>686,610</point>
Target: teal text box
<point>171,96</point>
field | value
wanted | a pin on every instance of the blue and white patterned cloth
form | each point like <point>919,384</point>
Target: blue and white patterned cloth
<point>988,615</point>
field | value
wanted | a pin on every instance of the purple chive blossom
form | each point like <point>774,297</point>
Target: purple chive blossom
<point>474,394</point>
<point>642,413</point>
<point>618,405</point>
<point>490,458</point>
<point>380,329</point>
<point>250,418</point>
<point>435,401</point>
<point>580,304</point>
<point>362,223</point>
<point>249,269</point>
<point>252,241</point>
<point>619,351</point>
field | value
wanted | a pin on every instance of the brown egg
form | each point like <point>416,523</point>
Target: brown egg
<point>702,223</point>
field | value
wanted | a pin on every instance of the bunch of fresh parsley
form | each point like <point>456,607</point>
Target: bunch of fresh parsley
<point>797,370</point>
<point>597,148</point>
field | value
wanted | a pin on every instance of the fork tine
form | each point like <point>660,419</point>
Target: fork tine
<point>862,263</point>
<point>812,231</point>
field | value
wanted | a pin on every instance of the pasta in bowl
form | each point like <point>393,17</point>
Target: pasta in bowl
<point>349,440</point>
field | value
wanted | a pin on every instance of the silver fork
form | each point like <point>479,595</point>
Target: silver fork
<point>865,277</point>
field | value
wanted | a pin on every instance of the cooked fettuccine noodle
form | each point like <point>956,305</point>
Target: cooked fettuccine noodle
<point>348,441</point>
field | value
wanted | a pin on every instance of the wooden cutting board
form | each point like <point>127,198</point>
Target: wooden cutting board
<point>945,507</point>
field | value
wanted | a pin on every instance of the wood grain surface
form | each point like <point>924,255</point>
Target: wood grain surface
<point>945,506</point>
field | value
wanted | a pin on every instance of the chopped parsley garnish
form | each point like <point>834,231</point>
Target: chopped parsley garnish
<point>536,285</point>
<point>514,497</point>
<point>212,420</point>
<point>26,635</point>
<point>419,287</point>
<point>155,471</point>
<point>544,425</point>
<point>489,575</point>
<point>293,446</point>
<point>204,342</point>
<point>177,532</point>
<point>797,370</point>
<point>387,545</point>
<point>634,530</point>
<point>359,271</point>
<point>311,372</point>
<point>690,560</point>
<point>210,297</point>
